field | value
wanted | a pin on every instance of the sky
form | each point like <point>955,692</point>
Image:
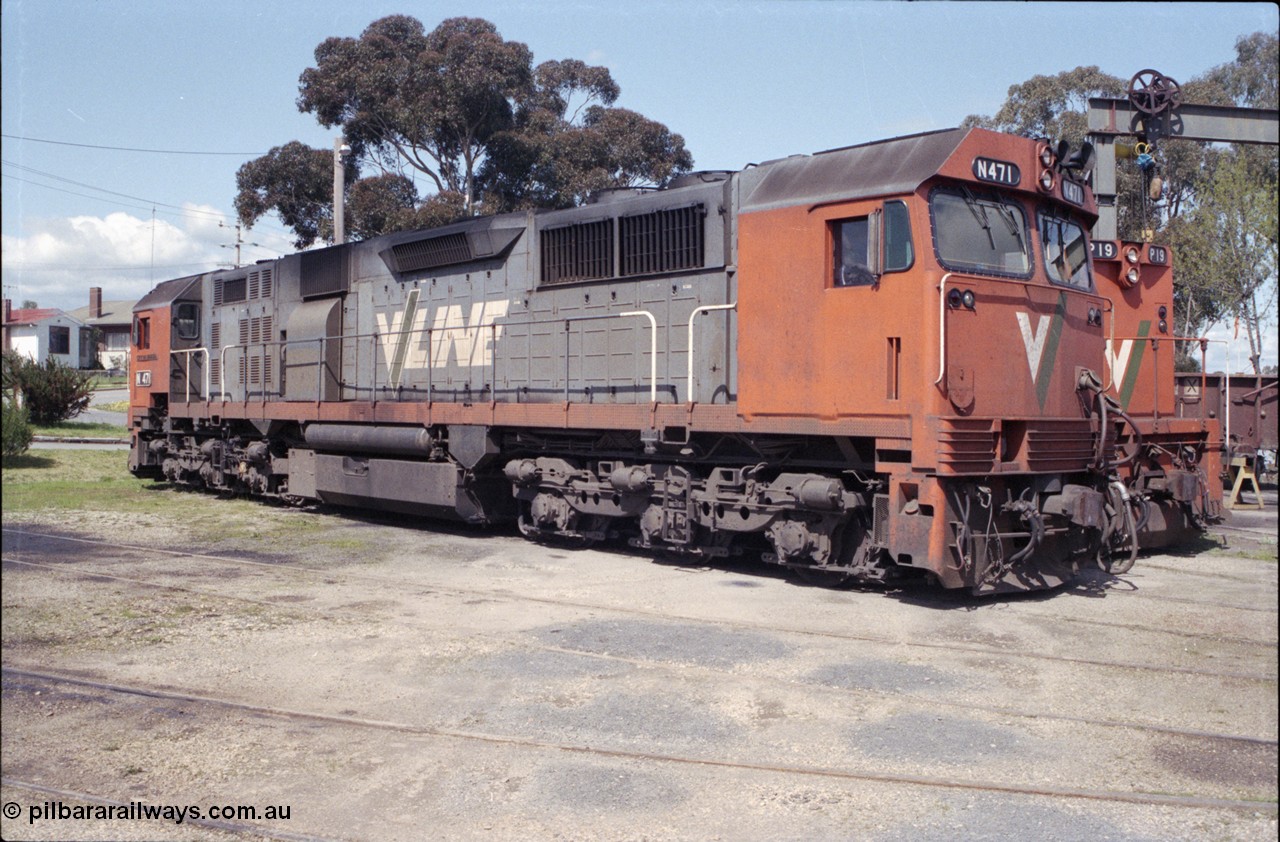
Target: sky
<point>209,86</point>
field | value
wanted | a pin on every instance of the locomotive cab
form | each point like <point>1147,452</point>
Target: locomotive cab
<point>166,321</point>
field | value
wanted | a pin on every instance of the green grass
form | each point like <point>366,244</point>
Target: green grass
<point>62,482</point>
<point>81,429</point>
<point>104,382</point>
<point>72,479</point>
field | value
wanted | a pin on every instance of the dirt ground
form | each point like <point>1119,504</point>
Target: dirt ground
<point>388,680</point>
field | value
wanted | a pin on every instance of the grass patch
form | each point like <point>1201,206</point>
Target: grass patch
<point>81,429</point>
<point>73,479</point>
<point>118,381</point>
<point>44,481</point>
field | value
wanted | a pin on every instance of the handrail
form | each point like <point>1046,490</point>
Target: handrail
<point>942,327</point>
<point>705,309</point>
<point>653,346</point>
<point>189,352</point>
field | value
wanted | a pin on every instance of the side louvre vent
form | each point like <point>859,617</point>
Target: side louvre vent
<point>260,283</point>
<point>581,252</point>
<point>430,253</point>
<point>215,357</point>
<point>662,241</point>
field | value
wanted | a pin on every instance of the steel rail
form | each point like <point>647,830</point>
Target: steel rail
<point>1148,798</point>
<point>684,669</point>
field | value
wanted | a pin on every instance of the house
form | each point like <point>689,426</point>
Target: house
<point>44,332</point>
<point>112,322</point>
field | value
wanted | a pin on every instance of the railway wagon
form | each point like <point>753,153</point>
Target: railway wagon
<point>1246,408</point>
<point>897,359</point>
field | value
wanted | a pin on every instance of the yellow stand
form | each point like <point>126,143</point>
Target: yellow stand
<point>1242,468</point>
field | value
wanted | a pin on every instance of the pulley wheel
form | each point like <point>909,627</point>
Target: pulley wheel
<point>1152,93</point>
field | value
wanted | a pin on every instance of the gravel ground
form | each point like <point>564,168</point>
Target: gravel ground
<point>459,684</point>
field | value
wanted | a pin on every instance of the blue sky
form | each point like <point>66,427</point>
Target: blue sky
<point>741,81</point>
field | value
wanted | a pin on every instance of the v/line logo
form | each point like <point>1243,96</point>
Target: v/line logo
<point>458,336</point>
<point>1041,345</point>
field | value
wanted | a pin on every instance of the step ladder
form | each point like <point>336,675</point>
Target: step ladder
<point>1242,471</point>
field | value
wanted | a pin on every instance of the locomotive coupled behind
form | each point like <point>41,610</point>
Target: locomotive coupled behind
<point>894,359</point>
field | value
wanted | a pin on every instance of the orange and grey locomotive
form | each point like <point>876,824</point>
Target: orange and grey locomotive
<point>904,358</point>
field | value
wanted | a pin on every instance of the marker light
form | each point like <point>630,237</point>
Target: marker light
<point>968,298</point>
<point>1163,312</point>
<point>953,298</point>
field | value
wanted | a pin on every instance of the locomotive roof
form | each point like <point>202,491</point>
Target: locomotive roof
<point>166,293</point>
<point>885,167</point>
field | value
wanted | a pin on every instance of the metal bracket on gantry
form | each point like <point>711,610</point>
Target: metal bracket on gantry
<point>1154,111</point>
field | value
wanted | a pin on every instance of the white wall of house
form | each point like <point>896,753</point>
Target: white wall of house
<point>57,337</point>
<point>25,340</point>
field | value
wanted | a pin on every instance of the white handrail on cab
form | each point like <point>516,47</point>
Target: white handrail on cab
<point>705,309</point>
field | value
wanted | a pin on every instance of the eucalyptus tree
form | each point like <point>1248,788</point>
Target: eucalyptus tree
<point>462,111</point>
<point>1215,205</point>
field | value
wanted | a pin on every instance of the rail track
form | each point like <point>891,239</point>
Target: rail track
<point>509,640</point>
<point>936,782</point>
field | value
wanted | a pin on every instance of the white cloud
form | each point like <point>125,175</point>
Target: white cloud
<point>58,260</point>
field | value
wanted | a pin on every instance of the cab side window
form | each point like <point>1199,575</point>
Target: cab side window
<point>861,244</point>
<point>186,320</point>
<point>141,332</point>
<point>898,254</point>
<point>851,266</point>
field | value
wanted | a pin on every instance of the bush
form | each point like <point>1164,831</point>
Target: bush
<point>50,391</point>
<point>16,430</point>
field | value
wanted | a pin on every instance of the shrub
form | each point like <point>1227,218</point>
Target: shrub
<point>15,429</point>
<point>50,391</point>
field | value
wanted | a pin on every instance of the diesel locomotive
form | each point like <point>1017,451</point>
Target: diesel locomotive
<point>899,359</point>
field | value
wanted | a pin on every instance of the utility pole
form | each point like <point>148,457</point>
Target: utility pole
<point>341,151</point>
<point>238,243</point>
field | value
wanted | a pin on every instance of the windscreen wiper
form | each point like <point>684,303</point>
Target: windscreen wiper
<point>979,212</point>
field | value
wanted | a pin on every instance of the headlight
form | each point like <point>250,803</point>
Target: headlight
<point>1131,254</point>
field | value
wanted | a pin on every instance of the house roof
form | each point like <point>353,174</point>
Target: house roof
<point>114,314</point>
<point>33,316</point>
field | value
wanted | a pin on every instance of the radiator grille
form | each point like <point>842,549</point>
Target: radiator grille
<point>966,446</point>
<point>1059,445</point>
<point>662,241</point>
<point>580,252</point>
